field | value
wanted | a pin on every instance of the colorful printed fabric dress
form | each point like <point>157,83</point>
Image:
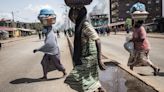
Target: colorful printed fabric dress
<point>84,78</point>
<point>140,56</point>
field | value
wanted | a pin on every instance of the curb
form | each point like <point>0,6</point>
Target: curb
<point>149,36</point>
<point>134,74</point>
<point>155,37</point>
<point>106,59</point>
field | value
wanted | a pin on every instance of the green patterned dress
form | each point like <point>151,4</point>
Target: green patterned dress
<point>84,78</point>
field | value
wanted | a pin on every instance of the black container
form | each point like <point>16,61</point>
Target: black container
<point>77,3</point>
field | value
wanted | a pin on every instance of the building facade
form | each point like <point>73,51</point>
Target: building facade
<point>120,9</point>
<point>16,29</point>
<point>99,20</point>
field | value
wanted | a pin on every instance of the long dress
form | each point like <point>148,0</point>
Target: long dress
<point>51,58</point>
<point>84,78</point>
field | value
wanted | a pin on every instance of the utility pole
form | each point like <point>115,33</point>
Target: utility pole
<point>12,15</point>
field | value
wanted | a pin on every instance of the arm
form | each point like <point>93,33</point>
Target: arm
<point>43,48</point>
<point>91,33</point>
<point>98,46</point>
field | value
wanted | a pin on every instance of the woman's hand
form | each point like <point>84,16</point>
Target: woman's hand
<point>35,50</point>
<point>102,65</point>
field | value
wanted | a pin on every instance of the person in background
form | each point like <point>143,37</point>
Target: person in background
<point>51,58</point>
<point>108,30</point>
<point>43,35</point>
<point>65,32</point>
<point>128,25</point>
<point>0,45</point>
<point>141,48</point>
<point>58,34</point>
<point>115,30</point>
<point>40,34</point>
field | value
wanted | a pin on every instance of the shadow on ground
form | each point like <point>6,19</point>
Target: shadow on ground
<point>38,41</point>
<point>30,80</point>
<point>161,74</point>
<point>111,63</point>
<point>145,74</point>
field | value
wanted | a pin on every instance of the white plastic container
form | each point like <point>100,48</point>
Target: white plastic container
<point>139,15</point>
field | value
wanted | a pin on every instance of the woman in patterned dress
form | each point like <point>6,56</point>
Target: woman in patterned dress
<point>87,55</point>
<point>140,56</point>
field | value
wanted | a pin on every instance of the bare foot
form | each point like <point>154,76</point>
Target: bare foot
<point>43,78</point>
<point>156,71</point>
<point>64,73</point>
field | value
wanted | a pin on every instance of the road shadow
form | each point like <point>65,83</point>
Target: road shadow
<point>112,63</point>
<point>145,74</point>
<point>38,41</point>
<point>161,74</point>
<point>31,80</point>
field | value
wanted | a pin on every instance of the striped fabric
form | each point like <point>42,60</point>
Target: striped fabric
<point>84,78</point>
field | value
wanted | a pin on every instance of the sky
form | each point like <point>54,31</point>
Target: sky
<point>28,10</point>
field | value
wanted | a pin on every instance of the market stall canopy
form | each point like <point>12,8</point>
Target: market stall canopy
<point>27,30</point>
<point>7,28</point>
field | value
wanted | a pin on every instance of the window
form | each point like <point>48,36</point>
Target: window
<point>127,4</point>
<point>127,12</point>
<point>149,2</point>
<point>157,1</point>
<point>149,9</point>
<point>157,9</point>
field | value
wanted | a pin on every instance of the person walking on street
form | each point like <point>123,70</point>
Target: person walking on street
<point>65,32</point>
<point>58,34</point>
<point>128,25</point>
<point>43,35</point>
<point>141,48</point>
<point>115,30</point>
<point>0,45</point>
<point>40,34</point>
<point>108,30</point>
<point>51,58</point>
<point>87,55</point>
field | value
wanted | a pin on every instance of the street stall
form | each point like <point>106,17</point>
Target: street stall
<point>13,32</point>
<point>3,34</point>
<point>26,32</point>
